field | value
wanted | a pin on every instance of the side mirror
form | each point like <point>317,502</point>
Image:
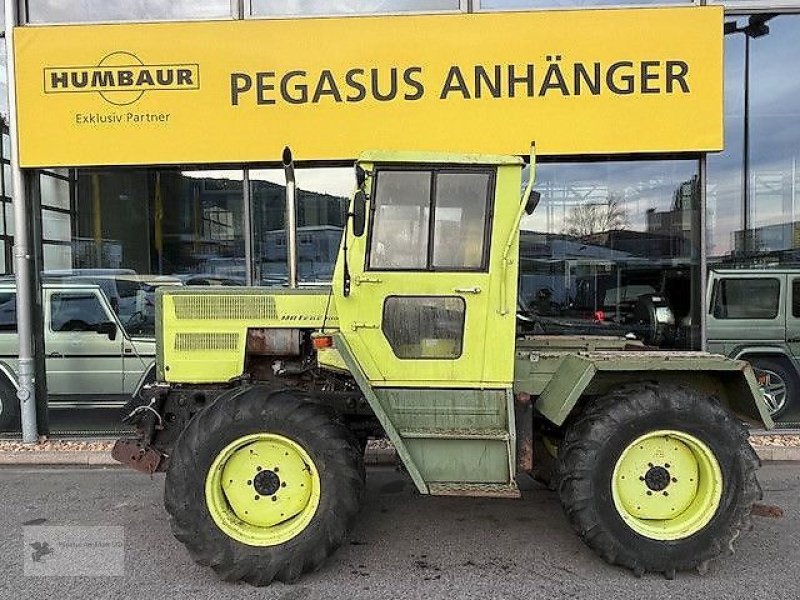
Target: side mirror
<point>359,213</point>
<point>533,202</point>
<point>108,328</point>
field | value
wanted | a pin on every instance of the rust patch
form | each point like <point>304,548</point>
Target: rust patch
<point>524,421</point>
<point>134,454</point>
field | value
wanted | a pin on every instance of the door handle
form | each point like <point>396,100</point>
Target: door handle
<point>359,279</point>
<point>468,290</point>
<point>55,355</point>
<point>793,340</point>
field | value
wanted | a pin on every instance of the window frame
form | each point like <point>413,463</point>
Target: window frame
<point>426,297</point>
<point>110,318</point>
<point>717,294</point>
<point>434,170</point>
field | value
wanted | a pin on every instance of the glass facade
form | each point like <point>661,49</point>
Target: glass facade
<point>86,11</point>
<point>347,7</point>
<point>606,236</point>
<point>754,220</point>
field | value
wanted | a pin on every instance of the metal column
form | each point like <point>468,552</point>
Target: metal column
<point>22,255</point>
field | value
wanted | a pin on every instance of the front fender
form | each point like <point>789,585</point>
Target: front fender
<point>595,373</point>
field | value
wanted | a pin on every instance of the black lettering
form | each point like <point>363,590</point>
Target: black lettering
<point>592,81</point>
<point>417,85</point>
<point>145,78</point>
<point>326,86</point>
<point>376,88</point>
<point>80,79</point>
<point>262,87</point>
<point>553,71</point>
<point>185,77</point>
<point>679,76</point>
<point>513,80</point>
<point>492,84</point>
<point>166,76</point>
<point>648,76</point>
<point>459,86</point>
<point>350,80</point>
<point>240,82</point>
<point>124,78</point>
<point>627,80</point>
<point>103,79</point>
<point>59,79</point>
<point>298,87</point>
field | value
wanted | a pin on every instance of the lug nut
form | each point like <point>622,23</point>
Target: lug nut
<point>274,498</point>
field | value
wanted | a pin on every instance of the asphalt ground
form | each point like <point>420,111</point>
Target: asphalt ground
<point>404,546</point>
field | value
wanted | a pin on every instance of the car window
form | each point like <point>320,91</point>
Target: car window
<point>747,298</point>
<point>8,312</point>
<point>796,297</point>
<point>76,311</point>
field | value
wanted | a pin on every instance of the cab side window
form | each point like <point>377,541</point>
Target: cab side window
<point>796,297</point>
<point>80,311</point>
<point>8,312</point>
<point>431,220</point>
<point>747,298</point>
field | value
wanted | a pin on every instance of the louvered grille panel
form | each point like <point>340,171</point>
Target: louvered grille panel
<point>198,342</point>
<point>209,306</point>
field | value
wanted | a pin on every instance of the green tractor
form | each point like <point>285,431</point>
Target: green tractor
<point>264,398</point>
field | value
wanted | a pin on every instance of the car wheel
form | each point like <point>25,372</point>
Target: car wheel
<point>778,382</point>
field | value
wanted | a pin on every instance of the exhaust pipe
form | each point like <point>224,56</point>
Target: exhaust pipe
<point>291,216</point>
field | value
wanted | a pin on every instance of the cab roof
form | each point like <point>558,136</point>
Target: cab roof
<point>405,156</point>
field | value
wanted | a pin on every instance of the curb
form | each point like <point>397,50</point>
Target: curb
<point>94,458</point>
<point>373,456</point>
<point>770,453</point>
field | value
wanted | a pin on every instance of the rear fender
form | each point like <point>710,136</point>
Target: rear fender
<point>731,381</point>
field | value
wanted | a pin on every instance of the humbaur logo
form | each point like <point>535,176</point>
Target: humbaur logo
<point>121,78</point>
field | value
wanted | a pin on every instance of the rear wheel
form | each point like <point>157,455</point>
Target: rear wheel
<point>263,485</point>
<point>657,478</point>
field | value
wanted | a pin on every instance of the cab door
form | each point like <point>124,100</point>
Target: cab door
<point>424,304</point>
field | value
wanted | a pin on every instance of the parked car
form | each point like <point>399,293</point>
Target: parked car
<point>91,358</point>
<point>754,314</point>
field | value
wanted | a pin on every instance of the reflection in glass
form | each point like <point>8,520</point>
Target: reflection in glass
<point>608,241</point>
<point>85,11</point>
<point>501,4</point>
<point>322,197</point>
<point>774,130</point>
<point>348,7</point>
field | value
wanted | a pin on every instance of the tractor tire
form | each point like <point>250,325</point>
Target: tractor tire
<point>658,478</point>
<point>263,485</point>
<point>9,407</point>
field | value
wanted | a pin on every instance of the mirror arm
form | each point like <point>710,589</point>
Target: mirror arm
<point>507,259</point>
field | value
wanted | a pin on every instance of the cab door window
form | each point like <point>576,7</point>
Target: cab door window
<point>430,220</point>
<point>76,312</point>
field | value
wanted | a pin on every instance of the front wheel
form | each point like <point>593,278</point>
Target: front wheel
<point>263,485</point>
<point>657,478</point>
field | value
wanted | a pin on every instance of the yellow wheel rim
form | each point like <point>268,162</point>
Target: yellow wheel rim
<point>667,485</point>
<point>262,489</point>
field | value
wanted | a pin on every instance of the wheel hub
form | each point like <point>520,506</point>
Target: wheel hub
<point>666,485</point>
<point>657,478</point>
<point>266,483</point>
<point>262,489</point>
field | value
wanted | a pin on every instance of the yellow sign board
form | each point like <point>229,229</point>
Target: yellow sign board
<point>577,82</point>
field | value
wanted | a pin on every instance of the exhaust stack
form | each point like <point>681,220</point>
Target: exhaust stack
<point>291,216</point>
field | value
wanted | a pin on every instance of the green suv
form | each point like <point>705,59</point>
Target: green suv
<point>98,350</point>
<point>754,314</point>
